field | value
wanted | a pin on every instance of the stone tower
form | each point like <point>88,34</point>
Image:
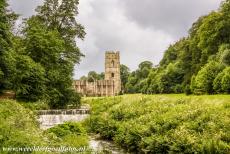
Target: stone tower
<point>112,69</point>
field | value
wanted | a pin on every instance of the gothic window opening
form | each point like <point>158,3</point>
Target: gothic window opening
<point>112,63</point>
<point>112,75</point>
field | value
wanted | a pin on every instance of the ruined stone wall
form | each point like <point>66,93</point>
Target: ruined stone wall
<point>97,88</point>
<point>111,86</point>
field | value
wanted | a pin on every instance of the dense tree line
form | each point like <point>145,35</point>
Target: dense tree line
<point>199,63</point>
<point>93,76</point>
<point>38,63</point>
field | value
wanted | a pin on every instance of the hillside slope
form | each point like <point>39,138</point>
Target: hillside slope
<point>164,123</point>
<point>19,129</point>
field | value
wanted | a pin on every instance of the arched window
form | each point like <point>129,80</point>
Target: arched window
<point>112,75</point>
<point>112,63</point>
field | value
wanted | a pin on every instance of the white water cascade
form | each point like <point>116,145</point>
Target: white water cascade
<point>50,118</point>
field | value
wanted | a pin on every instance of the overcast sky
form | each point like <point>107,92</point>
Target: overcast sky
<point>139,29</point>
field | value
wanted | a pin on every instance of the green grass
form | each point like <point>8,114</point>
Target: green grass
<point>163,123</point>
<point>35,105</point>
<point>19,128</point>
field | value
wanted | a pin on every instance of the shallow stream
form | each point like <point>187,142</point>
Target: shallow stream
<point>50,118</point>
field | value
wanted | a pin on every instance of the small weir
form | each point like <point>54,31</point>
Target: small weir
<point>50,118</point>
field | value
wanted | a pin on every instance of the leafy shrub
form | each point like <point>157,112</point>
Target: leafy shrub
<point>203,82</point>
<point>57,99</point>
<point>67,128</point>
<point>187,90</point>
<point>222,81</point>
<point>225,82</point>
<point>224,54</point>
<point>163,123</point>
<point>217,85</point>
<point>19,128</point>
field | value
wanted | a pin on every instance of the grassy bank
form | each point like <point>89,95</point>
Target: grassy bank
<point>164,123</point>
<point>19,129</point>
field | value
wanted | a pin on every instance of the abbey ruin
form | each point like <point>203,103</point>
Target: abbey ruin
<point>110,86</point>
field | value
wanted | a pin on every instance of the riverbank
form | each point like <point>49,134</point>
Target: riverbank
<point>20,132</point>
<point>138,123</point>
<point>23,128</point>
<point>163,123</point>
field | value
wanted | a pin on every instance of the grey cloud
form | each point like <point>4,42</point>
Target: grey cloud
<point>111,30</point>
<point>172,16</point>
<point>139,29</point>
<point>24,7</point>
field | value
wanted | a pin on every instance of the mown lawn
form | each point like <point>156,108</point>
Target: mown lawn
<point>163,123</point>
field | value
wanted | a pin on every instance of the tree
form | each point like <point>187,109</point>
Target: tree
<point>152,81</point>
<point>224,54</point>
<point>49,40</point>
<point>131,85</point>
<point>204,80</point>
<point>217,85</point>
<point>61,15</point>
<point>136,79</point>
<point>92,76</point>
<point>196,52</point>
<point>5,46</point>
<point>145,64</point>
<point>225,81</point>
<point>125,72</point>
<point>29,81</point>
<point>84,78</point>
<point>170,56</point>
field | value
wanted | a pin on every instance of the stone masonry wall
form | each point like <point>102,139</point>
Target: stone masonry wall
<point>111,86</point>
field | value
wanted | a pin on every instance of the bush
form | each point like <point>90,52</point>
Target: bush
<point>224,54</point>
<point>187,90</point>
<point>217,85</point>
<point>177,89</point>
<point>163,123</point>
<point>203,82</point>
<point>222,81</point>
<point>63,99</point>
<point>225,82</point>
<point>67,128</point>
<point>18,126</point>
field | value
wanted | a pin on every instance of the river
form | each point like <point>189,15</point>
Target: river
<point>50,118</point>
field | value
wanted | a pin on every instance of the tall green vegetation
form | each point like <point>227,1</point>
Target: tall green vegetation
<point>20,129</point>
<point>38,64</point>
<point>137,79</point>
<point>50,41</point>
<point>6,57</point>
<point>196,63</point>
<point>164,123</point>
<point>93,76</point>
<point>125,72</point>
